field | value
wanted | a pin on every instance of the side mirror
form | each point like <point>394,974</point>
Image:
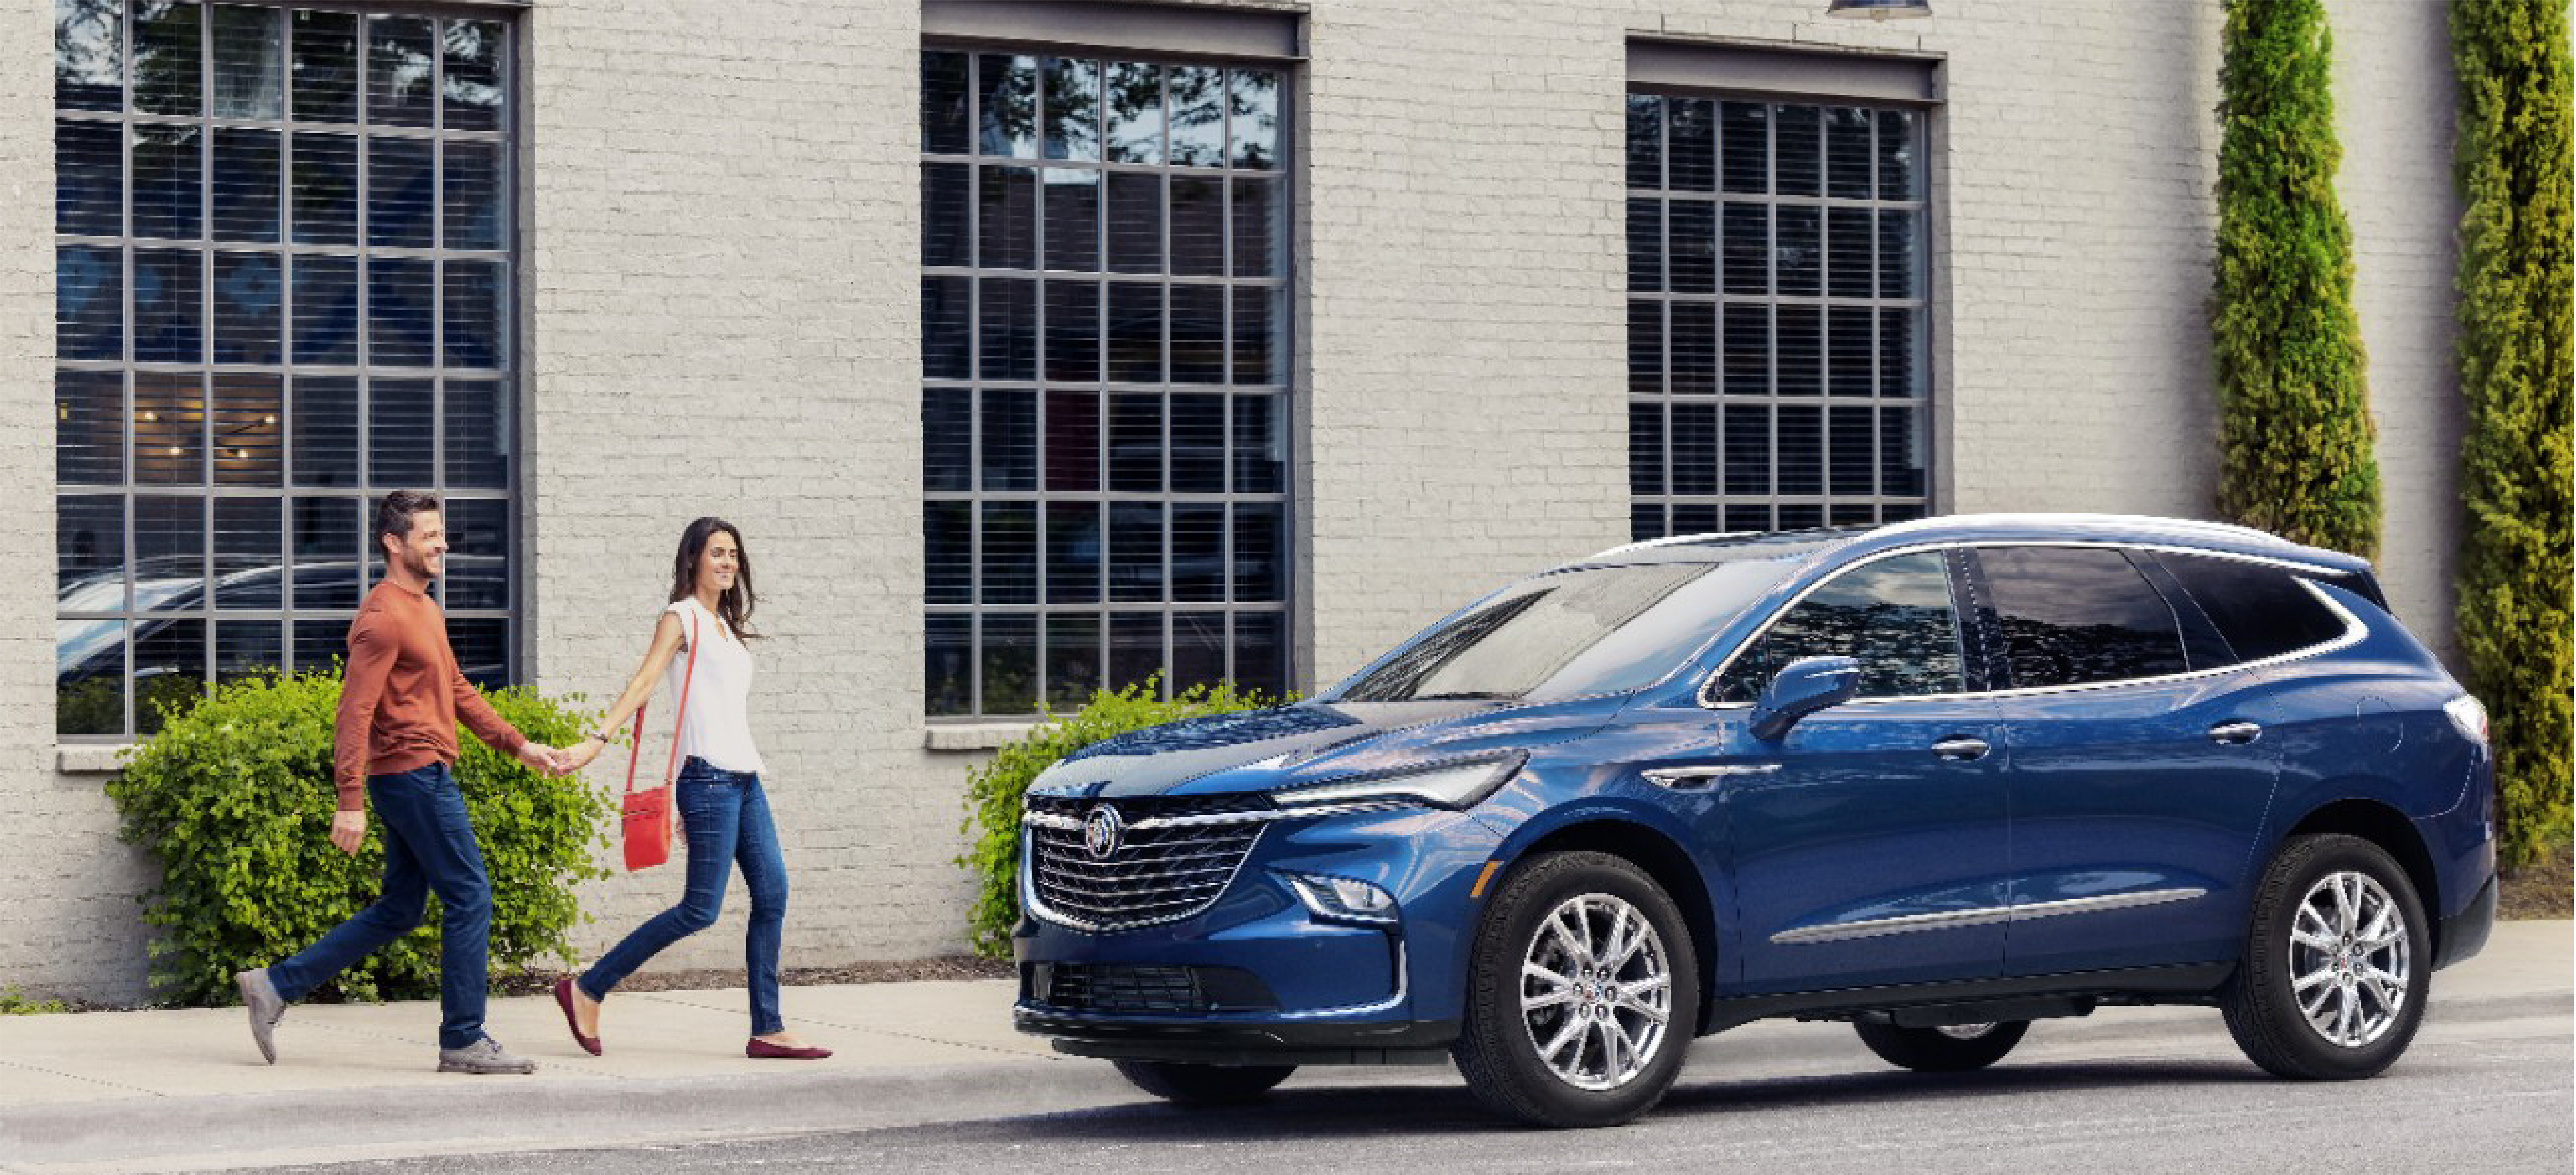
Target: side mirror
<point>1801,688</point>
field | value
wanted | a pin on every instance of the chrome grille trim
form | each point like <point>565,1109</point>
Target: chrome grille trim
<point>1168,868</point>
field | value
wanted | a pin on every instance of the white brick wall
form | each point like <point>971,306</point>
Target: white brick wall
<point>722,245</point>
<point>2394,104</point>
<point>68,920</point>
<point>726,294</point>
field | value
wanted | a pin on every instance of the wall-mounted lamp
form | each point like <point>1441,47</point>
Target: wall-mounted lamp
<point>1879,9</point>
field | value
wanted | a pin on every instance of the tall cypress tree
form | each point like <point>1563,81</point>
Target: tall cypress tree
<point>2294,429</point>
<point>2517,362</point>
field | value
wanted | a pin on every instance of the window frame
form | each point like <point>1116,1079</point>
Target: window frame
<point>1287,176</point>
<point>1976,632</point>
<point>1813,75</point>
<point>363,371</point>
<point>1963,635</point>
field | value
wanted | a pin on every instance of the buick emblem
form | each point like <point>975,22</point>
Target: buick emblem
<point>1102,832</point>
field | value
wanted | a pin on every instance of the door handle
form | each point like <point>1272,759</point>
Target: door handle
<point>1960,750</point>
<point>2235,734</point>
<point>1696,778</point>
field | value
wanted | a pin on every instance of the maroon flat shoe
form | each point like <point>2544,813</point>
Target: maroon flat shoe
<point>761,1050</point>
<point>563,999</point>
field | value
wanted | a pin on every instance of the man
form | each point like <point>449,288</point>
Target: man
<point>395,742</point>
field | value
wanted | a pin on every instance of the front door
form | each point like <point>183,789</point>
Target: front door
<point>1868,845</point>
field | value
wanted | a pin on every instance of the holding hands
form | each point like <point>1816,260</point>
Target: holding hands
<point>562,760</point>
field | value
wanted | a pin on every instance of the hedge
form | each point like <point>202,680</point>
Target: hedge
<point>234,797</point>
<point>2294,426</point>
<point>2514,616</point>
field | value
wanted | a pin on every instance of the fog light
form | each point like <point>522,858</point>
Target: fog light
<point>1342,899</point>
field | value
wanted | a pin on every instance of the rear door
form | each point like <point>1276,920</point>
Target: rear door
<point>2134,762</point>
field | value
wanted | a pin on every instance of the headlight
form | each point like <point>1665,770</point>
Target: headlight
<point>1458,784</point>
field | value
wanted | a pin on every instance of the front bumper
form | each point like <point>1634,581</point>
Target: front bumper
<point>1257,977</point>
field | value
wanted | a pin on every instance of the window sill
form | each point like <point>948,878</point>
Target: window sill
<point>975,736</point>
<point>88,758</point>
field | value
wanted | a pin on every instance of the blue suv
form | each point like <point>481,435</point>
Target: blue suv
<point>1938,779</point>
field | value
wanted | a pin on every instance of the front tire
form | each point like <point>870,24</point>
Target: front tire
<point>1942,1050</point>
<point>1582,994</point>
<point>1203,1085</point>
<point>2337,966</point>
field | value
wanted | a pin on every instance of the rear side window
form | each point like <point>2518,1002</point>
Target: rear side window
<point>2076,615</point>
<point>1893,616</point>
<point>2263,611</point>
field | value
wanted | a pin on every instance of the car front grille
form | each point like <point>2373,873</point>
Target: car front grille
<point>1172,859</point>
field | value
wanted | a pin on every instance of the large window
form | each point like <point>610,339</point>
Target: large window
<point>1776,373</point>
<point>1104,355</point>
<point>283,287</point>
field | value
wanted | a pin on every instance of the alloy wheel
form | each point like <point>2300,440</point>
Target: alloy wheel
<point>1596,992</point>
<point>2350,962</point>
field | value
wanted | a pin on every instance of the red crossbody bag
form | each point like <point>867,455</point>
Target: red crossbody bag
<point>647,816</point>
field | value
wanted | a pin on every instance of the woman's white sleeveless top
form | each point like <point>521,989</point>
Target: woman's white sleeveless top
<point>717,727</point>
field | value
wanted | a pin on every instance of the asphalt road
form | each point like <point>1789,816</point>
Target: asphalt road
<point>2488,1095</point>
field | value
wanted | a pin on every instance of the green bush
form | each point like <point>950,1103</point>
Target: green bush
<point>2517,362</point>
<point>2294,429</point>
<point>993,790</point>
<point>235,798</point>
<point>14,1002</point>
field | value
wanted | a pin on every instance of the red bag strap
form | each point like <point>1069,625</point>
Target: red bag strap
<point>686,678</point>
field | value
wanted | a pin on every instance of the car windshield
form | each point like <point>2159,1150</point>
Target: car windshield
<point>1593,630</point>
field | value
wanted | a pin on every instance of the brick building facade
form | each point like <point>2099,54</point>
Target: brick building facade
<point>715,305</point>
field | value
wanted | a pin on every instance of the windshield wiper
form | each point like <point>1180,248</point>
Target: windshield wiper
<point>1467,696</point>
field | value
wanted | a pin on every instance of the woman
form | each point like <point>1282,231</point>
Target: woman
<point>721,808</point>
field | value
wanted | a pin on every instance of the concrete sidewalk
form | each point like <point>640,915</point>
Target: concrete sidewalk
<point>159,1090</point>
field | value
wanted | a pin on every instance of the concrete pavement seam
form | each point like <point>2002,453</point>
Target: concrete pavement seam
<point>83,1080</point>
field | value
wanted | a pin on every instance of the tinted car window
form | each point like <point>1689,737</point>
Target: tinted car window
<point>2073,615</point>
<point>2263,611</point>
<point>1893,616</point>
<point>1592,630</point>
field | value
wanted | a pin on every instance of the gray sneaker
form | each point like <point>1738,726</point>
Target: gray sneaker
<point>483,1056</point>
<point>260,997</point>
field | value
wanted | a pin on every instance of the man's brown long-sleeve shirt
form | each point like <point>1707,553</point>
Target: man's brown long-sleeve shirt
<point>403,695</point>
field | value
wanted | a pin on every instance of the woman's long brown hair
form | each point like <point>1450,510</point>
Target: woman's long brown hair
<point>736,603</point>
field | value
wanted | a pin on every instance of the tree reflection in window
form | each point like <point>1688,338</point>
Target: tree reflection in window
<point>1892,616</point>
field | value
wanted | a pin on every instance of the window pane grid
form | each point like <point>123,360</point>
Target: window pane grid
<point>1776,309</point>
<point>1100,276</point>
<point>230,387</point>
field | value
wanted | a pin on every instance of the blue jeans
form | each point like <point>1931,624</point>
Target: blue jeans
<point>429,847</point>
<point>726,817</point>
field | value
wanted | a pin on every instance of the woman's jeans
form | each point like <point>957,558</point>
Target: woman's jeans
<point>429,848</point>
<point>726,818</point>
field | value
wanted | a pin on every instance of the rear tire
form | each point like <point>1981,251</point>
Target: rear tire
<point>2338,963</point>
<point>1185,1084</point>
<point>1942,1050</point>
<point>1582,994</point>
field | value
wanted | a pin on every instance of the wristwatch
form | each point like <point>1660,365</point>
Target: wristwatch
<point>603,738</point>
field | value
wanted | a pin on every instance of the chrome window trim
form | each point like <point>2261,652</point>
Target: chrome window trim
<point>2353,629</point>
<point>1983,916</point>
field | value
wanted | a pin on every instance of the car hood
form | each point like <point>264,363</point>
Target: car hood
<point>1308,743</point>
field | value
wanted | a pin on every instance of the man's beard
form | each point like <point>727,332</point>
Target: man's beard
<point>418,565</point>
